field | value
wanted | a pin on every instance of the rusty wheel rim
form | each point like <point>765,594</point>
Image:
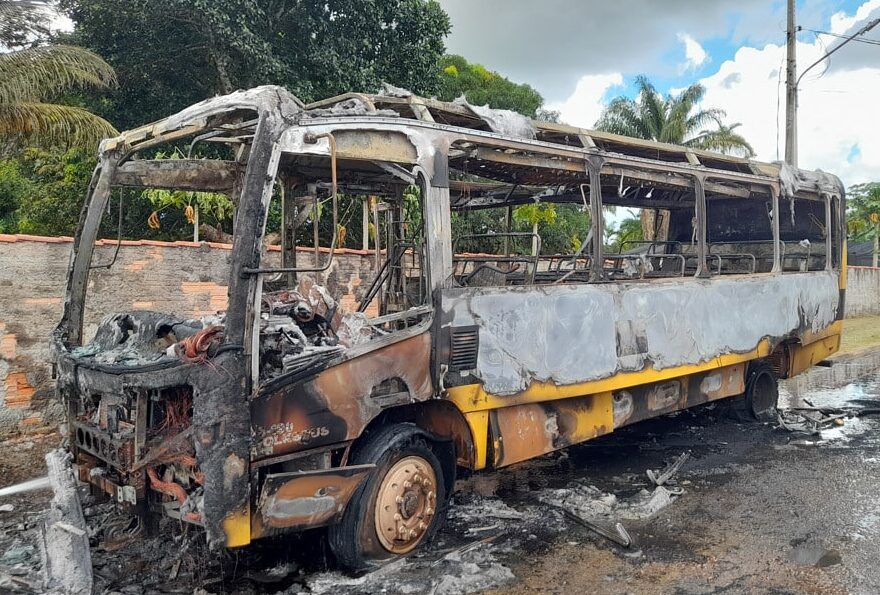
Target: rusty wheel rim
<point>406,504</point>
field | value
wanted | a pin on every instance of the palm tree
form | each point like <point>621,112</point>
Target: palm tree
<point>31,76</point>
<point>673,119</point>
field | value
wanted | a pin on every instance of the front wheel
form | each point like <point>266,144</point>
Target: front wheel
<point>399,507</point>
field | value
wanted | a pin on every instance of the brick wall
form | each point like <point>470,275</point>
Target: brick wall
<point>184,278</point>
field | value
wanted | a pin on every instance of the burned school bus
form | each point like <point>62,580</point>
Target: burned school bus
<point>288,411</point>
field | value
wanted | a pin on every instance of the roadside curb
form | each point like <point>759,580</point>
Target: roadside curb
<point>846,369</point>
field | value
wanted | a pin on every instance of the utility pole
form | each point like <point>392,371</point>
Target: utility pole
<point>792,80</point>
<point>791,156</point>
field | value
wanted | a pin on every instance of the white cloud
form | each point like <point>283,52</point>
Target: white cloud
<point>841,22</point>
<point>552,44</point>
<point>694,54</point>
<point>584,105</point>
<point>834,116</point>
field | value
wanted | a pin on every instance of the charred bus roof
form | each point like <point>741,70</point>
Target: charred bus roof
<point>518,158</point>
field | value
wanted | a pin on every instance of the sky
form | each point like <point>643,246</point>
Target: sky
<point>580,53</point>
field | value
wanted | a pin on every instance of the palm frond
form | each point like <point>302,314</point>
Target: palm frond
<point>34,74</point>
<point>723,140</point>
<point>679,124</point>
<point>29,123</point>
<point>622,117</point>
<point>653,108</point>
<point>690,96</point>
<point>703,118</point>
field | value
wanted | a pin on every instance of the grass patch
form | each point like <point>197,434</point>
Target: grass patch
<point>859,333</point>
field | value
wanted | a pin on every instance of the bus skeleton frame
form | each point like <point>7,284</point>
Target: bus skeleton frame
<point>490,373</point>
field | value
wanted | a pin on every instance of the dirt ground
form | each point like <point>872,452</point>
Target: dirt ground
<point>754,509</point>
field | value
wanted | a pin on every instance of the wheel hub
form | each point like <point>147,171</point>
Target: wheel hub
<point>406,504</point>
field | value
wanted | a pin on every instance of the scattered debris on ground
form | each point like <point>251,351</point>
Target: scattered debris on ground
<point>828,423</point>
<point>596,499</point>
<point>659,479</point>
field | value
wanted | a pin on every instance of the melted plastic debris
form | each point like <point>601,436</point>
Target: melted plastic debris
<point>389,90</point>
<point>140,337</point>
<point>502,121</point>
<point>591,503</point>
<point>352,106</point>
<point>355,329</point>
<point>794,180</point>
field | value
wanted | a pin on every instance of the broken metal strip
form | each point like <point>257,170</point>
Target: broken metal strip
<point>703,270</point>
<point>778,248</point>
<point>594,165</point>
<point>411,313</point>
<point>828,230</point>
<point>83,249</point>
<point>203,175</point>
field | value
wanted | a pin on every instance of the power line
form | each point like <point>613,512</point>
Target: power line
<point>849,38</point>
<point>859,39</point>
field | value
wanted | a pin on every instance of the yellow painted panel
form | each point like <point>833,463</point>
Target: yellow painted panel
<point>597,420</point>
<point>531,429</point>
<point>472,397</point>
<point>835,328</point>
<point>237,527</point>
<point>479,424</point>
<point>806,356</point>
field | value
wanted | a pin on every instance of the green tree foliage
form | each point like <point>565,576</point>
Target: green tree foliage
<point>561,232</point>
<point>13,186</point>
<point>630,229</point>
<point>863,215</point>
<point>49,193</point>
<point>672,119</point>
<point>169,54</point>
<point>32,77</point>
<point>481,86</point>
<point>42,192</point>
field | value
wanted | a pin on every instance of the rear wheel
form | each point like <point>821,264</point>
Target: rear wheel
<point>399,507</point>
<point>761,398</point>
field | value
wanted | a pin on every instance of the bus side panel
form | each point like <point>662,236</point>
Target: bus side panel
<point>525,431</point>
<point>337,403</point>
<point>650,400</point>
<point>565,335</point>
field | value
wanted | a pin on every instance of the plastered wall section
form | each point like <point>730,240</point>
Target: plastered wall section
<point>862,291</point>
<point>183,278</point>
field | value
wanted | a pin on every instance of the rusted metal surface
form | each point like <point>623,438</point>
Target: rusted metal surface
<point>647,401</point>
<point>336,404</point>
<point>304,499</point>
<point>526,431</point>
<point>203,175</point>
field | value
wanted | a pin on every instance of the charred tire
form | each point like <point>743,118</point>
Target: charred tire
<point>401,504</point>
<point>761,397</point>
